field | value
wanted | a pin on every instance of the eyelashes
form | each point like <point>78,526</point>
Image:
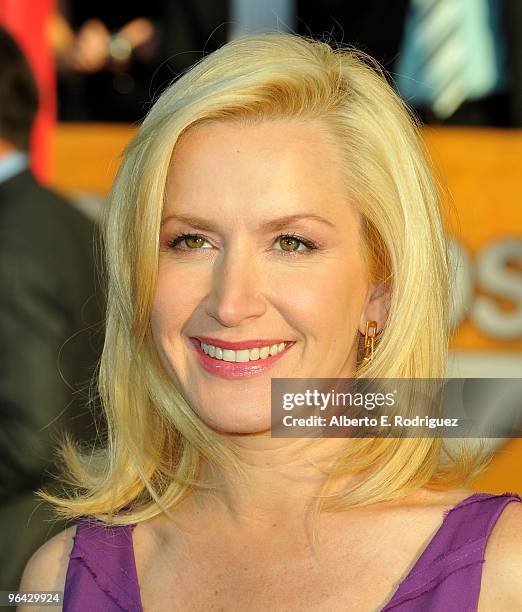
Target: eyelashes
<point>174,243</point>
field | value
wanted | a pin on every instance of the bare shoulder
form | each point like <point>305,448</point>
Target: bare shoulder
<point>435,500</point>
<point>501,587</point>
<point>47,568</point>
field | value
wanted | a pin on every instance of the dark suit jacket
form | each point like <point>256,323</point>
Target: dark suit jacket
<point>375,26</point>
<point>197,27</point>
<point>47,351</point>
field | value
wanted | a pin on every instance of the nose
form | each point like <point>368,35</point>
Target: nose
<point>236,292</point>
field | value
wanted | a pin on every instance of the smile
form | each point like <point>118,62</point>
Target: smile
<point>234,363</point>
<point>243,355</point>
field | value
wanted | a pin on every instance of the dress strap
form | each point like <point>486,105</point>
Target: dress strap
<point>449,570</point>
<point>470,520</point>
<point>101,574</point>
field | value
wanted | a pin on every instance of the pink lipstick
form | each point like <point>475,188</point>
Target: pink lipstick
<point>231,369</point>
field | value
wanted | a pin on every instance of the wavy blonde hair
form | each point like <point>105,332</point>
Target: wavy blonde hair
<point>155,445</point>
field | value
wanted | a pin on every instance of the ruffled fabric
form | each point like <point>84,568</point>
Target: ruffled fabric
<point>446,577</point>
<point>101,575</point>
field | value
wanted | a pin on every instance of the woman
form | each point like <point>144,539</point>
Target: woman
<point>273,215</point>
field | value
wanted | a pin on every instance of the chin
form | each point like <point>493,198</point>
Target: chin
<point>247,421</point>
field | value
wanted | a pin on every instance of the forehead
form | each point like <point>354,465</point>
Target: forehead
<point>274,136</point>
<point>225,167</point>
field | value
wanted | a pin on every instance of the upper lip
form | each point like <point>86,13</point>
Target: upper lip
<point>243,344</point>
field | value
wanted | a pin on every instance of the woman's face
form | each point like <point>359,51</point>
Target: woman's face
<point>274,256</point>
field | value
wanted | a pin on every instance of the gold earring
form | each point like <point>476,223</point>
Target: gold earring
<point>369,340</point>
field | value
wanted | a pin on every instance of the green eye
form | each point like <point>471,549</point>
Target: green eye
<point>194,241</point>
<point>289,242</point>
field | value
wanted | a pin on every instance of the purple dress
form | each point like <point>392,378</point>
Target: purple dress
<point>101,574</point>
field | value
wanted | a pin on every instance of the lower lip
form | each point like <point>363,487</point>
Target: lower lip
<point>231,369</point>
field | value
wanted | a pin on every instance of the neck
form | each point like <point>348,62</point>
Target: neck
<point>283,478</point>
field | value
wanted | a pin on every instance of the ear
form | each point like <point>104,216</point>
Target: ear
<point>376,307</point>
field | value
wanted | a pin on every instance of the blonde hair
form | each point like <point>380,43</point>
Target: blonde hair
<point>155,443</point>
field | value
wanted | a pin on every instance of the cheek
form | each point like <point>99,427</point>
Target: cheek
<point>174,301</point>
<point>325,304</point>
<point>336,293</point>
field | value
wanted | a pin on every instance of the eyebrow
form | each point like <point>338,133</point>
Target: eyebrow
<point>269,226</point>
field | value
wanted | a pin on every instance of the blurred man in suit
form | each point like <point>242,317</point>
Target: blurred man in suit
<point>48,310</point>
<point>460,62</point>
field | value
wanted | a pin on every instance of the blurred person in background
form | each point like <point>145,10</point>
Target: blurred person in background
<point>460,62</point>
<point>455,61</point>
<point>47,302</point>
<point>375,27</point>
<point>107,57</point>
<point>114,63</point>
<point>202,26</point>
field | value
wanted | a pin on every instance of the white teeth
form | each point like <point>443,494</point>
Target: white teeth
<point>229,355</point>
<point>263,353</point>
<point>243,355</point>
